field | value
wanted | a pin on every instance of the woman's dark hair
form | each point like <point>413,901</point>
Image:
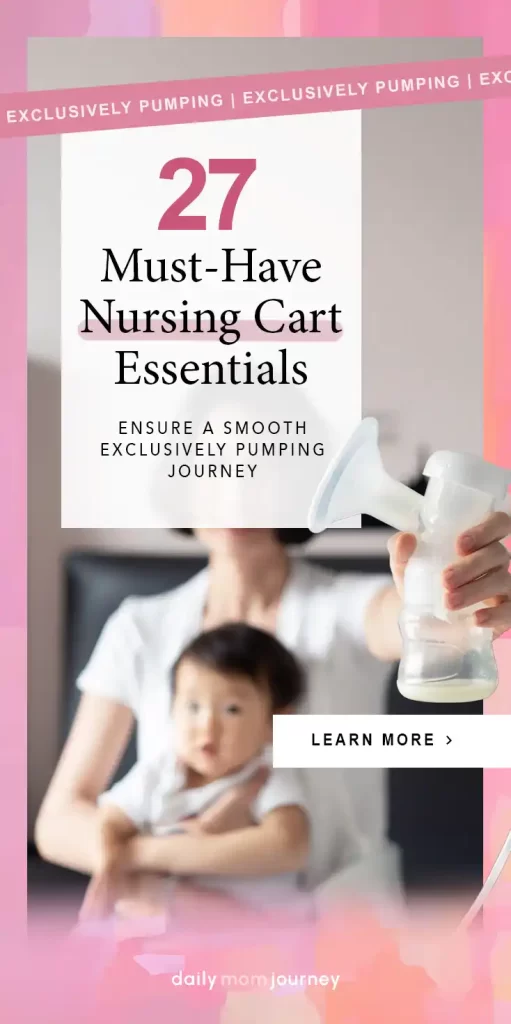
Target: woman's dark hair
<point>286,537</point>
<point>240,650</point>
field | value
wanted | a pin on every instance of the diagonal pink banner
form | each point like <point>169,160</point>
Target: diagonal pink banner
<point>58,111</point>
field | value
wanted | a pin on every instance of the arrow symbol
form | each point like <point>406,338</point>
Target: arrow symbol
<point>449,740</point>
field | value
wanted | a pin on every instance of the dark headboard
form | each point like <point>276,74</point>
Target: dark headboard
<point>435,815</point>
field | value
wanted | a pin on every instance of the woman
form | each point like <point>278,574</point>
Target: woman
<point>343,628</point>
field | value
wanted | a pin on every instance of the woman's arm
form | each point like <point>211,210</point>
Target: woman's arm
<point>67,829</point>
<point>232,810</point>
<point>280,843</point>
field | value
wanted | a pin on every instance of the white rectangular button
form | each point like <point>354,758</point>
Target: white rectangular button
<point>392,741</point>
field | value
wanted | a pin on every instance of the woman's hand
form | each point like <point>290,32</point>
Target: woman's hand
<point>481,572</point>
<point>232,811</point>
<point>144,900</point>
<point>106,884</point>
<point>100,896</point>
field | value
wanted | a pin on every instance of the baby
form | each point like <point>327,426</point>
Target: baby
<point>226,685</point>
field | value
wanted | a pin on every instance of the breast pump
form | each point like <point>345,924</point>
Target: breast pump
<point>445,656</point>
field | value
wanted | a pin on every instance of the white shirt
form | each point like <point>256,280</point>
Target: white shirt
<point>321,620</point>
<point>154,796</point>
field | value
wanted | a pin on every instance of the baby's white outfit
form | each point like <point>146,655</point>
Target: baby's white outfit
<point>154,797</point>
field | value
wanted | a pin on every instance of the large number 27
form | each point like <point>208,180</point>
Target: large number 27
<point>173,219</point>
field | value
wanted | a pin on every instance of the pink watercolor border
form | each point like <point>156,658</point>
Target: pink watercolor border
<point>13,485</point>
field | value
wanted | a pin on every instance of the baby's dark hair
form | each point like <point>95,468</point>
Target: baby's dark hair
<point>238,649</point>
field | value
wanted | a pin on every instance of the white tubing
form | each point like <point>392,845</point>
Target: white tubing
<point>492,879</point>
